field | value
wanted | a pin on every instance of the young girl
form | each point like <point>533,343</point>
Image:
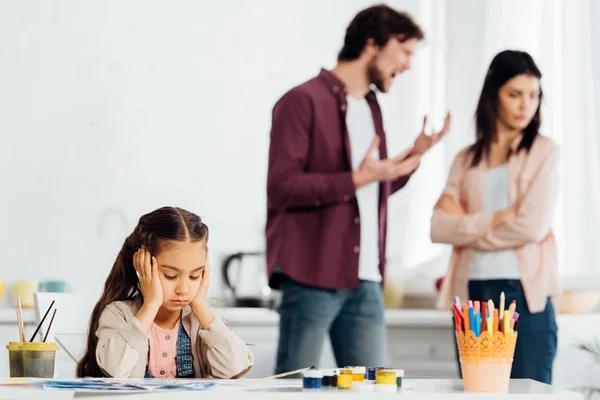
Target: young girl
<point>497,209</point>
<point>153,319</point>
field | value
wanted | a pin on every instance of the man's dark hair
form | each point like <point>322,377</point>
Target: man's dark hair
<point>380,23</point>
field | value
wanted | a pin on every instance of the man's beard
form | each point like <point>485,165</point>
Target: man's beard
<point>376,77</point>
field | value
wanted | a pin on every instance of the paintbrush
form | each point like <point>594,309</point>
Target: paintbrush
<point>41,322</point>
<point>50,324</point>
<point>288,373</point>
<point>20,321</point>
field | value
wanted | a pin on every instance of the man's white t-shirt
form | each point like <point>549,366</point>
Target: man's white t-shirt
<point>361,130</point>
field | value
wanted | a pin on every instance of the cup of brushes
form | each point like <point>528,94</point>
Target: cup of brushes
<point>28,358</point>
<point>486,337</point>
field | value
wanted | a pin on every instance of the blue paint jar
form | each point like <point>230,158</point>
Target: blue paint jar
<point>311,379</point>
<point>372,373</point>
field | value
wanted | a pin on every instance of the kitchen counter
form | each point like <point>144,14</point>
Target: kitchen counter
<point>8,316</point>
<point>264,316</point>
<point>400,317</point>
<point>267,317</point>
<point>430,318</point>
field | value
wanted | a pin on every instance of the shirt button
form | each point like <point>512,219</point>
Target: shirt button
<point>356,220</point>
<point>162,372</point>
<point>336,89</point>
<point>317,203</point>
<point>343,107</point>
<point>164,354</point>
<point>167,337</point>
<point>356,249</point>
<point>346,198</point>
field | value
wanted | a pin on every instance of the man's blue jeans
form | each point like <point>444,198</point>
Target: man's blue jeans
<point>354,319</point>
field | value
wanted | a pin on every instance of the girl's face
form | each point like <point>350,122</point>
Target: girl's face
<point>518,101</point>
<point>180,269</point>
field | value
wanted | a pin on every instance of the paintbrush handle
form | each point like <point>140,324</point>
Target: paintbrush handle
<point>41,322</point>
<point>20,321</point>
<point>287,373</point>
<point>50,325</point>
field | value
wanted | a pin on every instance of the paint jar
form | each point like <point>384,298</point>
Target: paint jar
<point>386,377</point>
<point>358,374</point>
<point>345,378</point>
<point>15,359</point>
<point>329,380</point>
<point>38,359</point>
<point>399,376</point>
<point>372,373</point>
<point>311,379</point>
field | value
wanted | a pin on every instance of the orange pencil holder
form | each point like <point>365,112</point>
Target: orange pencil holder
<point>486,360</point>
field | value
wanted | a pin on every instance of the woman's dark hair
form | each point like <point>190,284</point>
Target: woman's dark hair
<point>153,231</point>
<point>380,23</point>
<point>505,66</point>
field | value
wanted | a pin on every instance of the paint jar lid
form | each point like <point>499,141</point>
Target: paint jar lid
<point>329,372</point>
<point>399,373</point>
<point>386,371</point>
<point>39,346</point>
<point>363,386</point>
<point>359,370</point>
<point>312,373</point>
<point>14,345</point>
<point>386,388</point>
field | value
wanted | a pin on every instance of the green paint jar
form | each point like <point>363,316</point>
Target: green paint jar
<point>399,376</point>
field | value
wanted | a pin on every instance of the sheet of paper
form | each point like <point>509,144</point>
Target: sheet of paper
<point>111,384</point>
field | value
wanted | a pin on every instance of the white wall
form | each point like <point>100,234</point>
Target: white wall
<point>112,109</point>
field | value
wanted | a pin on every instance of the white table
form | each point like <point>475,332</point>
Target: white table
<point>423,390</point>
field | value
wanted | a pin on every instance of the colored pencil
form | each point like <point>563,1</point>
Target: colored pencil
<point>501,309</point>
<point>484,316</point>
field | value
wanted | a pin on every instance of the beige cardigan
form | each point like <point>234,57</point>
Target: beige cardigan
<point>123,346</point>
<point>533,179</point>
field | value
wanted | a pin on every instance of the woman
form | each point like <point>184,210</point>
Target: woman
<point>497,208</point>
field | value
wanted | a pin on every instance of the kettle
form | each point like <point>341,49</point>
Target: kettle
<point>250,286</point>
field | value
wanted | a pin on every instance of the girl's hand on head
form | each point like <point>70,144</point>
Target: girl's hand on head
<point>200,299</point>
<point>147,269</point>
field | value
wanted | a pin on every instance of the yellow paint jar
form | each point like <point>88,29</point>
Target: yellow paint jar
<point>386,377</point>
<point>345,378</point>
<point>358,374</point>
